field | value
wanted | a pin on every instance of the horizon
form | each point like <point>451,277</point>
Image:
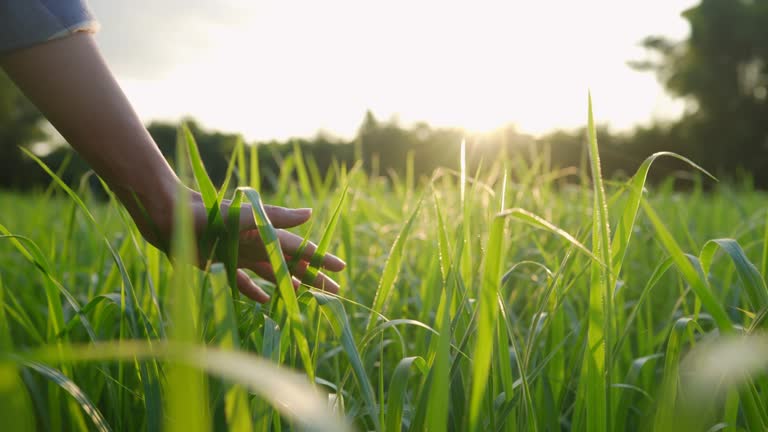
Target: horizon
<point>280,70</point>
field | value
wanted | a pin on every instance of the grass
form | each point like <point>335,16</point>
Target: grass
<point>470,302</point>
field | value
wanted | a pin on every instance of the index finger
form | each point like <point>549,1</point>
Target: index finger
<point>280,217</point>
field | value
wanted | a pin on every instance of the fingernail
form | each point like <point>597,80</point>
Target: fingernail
<point>328,284</point>
<point>305,210</point>
<point>339,261</point>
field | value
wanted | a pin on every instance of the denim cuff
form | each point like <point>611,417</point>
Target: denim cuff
<point>24,23</point>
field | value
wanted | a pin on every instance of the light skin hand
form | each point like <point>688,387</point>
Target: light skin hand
<point>71,84</point>
<point>253,256</point>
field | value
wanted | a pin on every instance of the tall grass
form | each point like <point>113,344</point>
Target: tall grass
<point>470,302</point>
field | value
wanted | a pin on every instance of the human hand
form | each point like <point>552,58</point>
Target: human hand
<point>252,254</point>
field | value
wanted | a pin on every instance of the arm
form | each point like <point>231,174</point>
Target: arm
<point>69,81</point>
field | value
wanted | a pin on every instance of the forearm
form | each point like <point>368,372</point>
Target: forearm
<point>70,83</point>
<point>68,80</point>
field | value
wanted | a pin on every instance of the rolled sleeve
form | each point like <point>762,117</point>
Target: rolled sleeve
<point>24,23</point>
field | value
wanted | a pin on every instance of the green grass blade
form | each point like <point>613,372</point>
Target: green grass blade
<point>204,183</point>
<point>70,387</point>
<point>486,319</point>
<point>84,208</point>
<point>268,235</point>
<point>600,200</point>
<point>504,363</point>
<point>317,181</point>
<point>254,175</point>
<point>689,273</point>
<point>601,297</point>
<point>337,316</point>
<point>301,171</point>
<point>231,247</point>
<point>397,389</point>
<point>33,254</point>
<point>225,321</point>
<point>15,405</point>
<point>764,261</point>
<point>369,337</point>
<point>636,185</point>
<point>658,272</point>
<point>442,239</point>
<point>391,270</point>
<point>539,222</point>
<point>438,405</point>
<point>285,182</point>
<point>63,186</point>
<point>633,378</point>
<point>185,389</point>
<point>237,157</point>
<point>207,189</point>
<point>750,277</point>
<point>665,412</point>
<point>287,391</point>
<point>325,241</point>
<point>593,388</point>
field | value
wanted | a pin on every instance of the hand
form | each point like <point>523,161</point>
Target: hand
<point>252,254</point>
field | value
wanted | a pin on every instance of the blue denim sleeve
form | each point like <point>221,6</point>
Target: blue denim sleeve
<point>28,22</point>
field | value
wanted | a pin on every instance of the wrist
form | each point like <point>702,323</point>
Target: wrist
<point>151,205</point>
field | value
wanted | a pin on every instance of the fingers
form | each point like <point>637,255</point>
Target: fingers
<point>291,243</point>
<point>250,289</point>
<point>265,271</point>
<point>321,281</point>
<point>281,217</point>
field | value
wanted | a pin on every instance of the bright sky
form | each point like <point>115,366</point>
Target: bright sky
<point>277,69</point>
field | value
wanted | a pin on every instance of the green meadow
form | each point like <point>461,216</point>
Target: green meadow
<point>521,296</point>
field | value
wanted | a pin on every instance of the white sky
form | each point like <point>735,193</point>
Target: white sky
<point>276,69</point>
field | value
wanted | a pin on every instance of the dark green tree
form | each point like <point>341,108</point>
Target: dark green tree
<point>721,70</point>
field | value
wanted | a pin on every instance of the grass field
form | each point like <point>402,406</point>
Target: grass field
<point>470,302</point>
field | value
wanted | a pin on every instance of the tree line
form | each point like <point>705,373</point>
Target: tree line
<point>720,70</point>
